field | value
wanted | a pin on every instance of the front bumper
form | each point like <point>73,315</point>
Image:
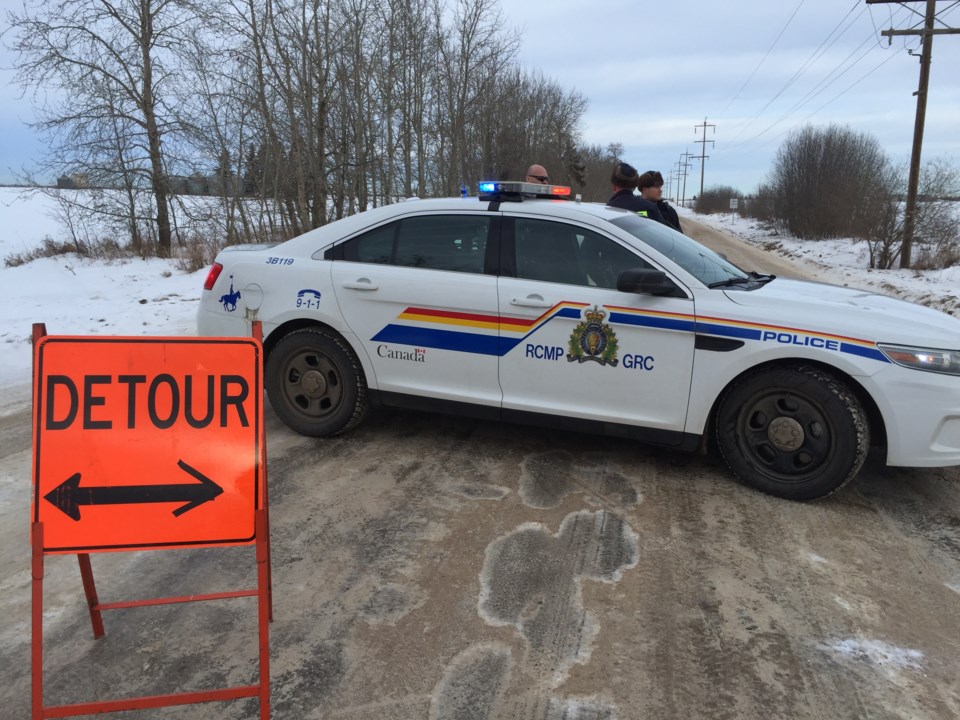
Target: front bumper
<point>921,411</point>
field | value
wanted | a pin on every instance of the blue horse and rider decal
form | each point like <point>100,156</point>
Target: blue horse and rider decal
<point>229,300</point>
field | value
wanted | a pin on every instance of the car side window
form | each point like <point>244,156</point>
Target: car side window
<point>456,243</point>
<point>557,252</point>
<point>375,246</point>
<point>605,259</point>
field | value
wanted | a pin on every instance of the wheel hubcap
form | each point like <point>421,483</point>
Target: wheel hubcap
<point>785,433</point>
<point>313,383</point>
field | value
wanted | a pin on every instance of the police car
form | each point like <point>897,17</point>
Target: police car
<point>526,306</point>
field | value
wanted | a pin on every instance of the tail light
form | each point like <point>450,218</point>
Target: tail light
<point>212,276</point>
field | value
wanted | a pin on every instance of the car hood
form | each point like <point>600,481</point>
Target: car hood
<point>848,311</point>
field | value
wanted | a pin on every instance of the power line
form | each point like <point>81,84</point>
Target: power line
<point>831,100</point>
<point>815,91</point>
<point>765,55</point>
<point>802,69</point>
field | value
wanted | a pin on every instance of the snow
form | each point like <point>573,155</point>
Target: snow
<point>75,296</point>
<point>877,652</point>
<point>845,262</point>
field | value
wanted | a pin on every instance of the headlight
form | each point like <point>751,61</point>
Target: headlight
<point>939,361</point>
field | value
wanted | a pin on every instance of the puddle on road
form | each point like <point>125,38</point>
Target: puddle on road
<point>473,689</point>
<point>531,580</point>
<point>391,603</point>
<point>547,478</point>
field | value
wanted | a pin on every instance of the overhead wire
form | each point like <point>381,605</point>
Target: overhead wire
<point>813,56</point>
<point>765,56</point>
<point>748,146</point>
<point>814,92</point>
<point>816,89</point>
<point>835,97</point>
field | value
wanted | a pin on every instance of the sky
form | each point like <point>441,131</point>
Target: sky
<point>753,69</point>
<point>653,72</point>
<point>73,296</point>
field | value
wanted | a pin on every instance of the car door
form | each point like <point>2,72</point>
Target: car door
<point>573,345</point>
<point>418,295</point>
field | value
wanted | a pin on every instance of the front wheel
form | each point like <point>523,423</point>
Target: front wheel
<point>315,383</point>
<point>794,432</point>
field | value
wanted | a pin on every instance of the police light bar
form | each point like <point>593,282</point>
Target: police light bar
<point>514,190</point>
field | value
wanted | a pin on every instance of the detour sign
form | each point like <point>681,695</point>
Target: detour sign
<point>146,442</point>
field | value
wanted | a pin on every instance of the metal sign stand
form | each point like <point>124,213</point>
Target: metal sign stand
<point>262,592</point>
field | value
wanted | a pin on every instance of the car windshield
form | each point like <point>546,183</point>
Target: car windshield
<point>703,263</point>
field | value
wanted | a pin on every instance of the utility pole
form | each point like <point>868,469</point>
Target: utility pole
<point>677,174</point>
<point>703,149</point>
<point>926,55</point>
<point>682,167</point>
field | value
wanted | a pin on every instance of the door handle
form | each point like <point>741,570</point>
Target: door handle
<point>361,284</point>
<point>534,301</point>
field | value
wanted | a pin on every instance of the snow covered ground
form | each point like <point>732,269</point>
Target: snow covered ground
<point>845,262</point>
<point>74,296</point>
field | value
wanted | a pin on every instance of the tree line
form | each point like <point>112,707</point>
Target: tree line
<point>303,111</point>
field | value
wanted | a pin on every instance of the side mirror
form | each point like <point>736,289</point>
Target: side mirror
<point>646,282</point>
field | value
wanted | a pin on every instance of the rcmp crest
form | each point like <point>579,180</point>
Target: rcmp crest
<point>593,340</point>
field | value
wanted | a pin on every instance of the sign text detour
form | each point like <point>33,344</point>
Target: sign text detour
<point>164,401</point>
<point>147,442</point>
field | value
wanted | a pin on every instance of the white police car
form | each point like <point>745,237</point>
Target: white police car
<point>525,307</point>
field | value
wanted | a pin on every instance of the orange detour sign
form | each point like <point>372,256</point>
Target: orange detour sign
<point>146,442</point>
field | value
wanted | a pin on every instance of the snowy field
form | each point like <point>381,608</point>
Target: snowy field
<point>845,262</point>
<point>74,296</point>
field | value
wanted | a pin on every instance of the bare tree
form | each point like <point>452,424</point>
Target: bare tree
<point>293,112</point>
<point>936,230</point>
<point>102,69</point>
<point>831,182</point>
<point>472,53</point>
<point>716,199</point>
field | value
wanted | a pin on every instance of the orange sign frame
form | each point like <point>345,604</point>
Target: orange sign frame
<point>146,442</point>
<point>151,489</point>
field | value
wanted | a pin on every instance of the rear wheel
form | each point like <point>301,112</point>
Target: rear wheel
<point>315,383</point>
<point>794,432</point>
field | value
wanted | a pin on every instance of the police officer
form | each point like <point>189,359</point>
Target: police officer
<point>651,188</point>
<point>537,174</point>
<point>625,179</point>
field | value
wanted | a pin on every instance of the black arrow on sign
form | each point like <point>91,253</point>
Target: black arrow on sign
<point>69,496</point>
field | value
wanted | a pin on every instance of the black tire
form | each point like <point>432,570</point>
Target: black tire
<point>315,383</point>
<point>795,432</point>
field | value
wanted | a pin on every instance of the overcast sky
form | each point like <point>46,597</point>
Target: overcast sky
<point>754,69</point>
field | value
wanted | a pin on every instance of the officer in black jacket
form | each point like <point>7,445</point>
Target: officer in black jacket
<point>651,189</point>
<point>625,180</point>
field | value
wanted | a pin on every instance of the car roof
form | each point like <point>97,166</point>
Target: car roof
<point>561,209</point>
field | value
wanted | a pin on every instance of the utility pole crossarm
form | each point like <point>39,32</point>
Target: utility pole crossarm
<point>938,31</point>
